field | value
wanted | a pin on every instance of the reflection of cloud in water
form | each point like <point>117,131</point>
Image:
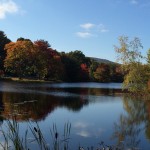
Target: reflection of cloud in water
<point>82,129</point>
<point>87,129</point>
<point>83,133</point>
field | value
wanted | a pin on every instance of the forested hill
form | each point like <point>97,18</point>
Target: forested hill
<point>99,60</point>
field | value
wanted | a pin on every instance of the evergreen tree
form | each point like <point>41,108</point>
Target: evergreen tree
<point>3,41</point>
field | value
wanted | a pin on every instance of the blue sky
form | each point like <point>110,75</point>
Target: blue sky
<point>92,26</point>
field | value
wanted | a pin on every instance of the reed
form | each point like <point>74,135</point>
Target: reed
<point>13,140</point>
<point>11,136</point>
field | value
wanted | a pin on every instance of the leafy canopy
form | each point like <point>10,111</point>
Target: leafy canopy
<point>129,54</point>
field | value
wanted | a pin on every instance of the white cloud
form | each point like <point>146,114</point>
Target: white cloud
<point>134,2</point>
<point>7,6</point>
<point>91,30</point>
<point>84,34</point>
<point>102,28</point>
<point>87,26</point>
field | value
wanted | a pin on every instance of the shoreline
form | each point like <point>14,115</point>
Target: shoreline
<point>16,79</point>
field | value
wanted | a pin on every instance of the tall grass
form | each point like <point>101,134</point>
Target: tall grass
<point>64,142</point>
<point>12,139</point>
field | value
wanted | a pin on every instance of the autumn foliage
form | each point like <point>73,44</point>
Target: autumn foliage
<point>38,60</point>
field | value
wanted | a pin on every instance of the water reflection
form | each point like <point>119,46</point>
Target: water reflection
<point>35,106</point>
<point>36,101</point>
<point>95,113</point>
<point>129,128</point>
<point>87,129</point>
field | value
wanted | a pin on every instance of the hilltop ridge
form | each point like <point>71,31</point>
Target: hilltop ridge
<point>99,60</point>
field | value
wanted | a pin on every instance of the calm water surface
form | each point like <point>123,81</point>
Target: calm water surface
<point>97,112</point>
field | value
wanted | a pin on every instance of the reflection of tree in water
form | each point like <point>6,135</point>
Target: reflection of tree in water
<point>94,91</point>
<point>37,106</point>
<point>1,109</point>
<point>127,130</point>
<point>126,133</point>
<point>147,130</point>
<point>74,104</point>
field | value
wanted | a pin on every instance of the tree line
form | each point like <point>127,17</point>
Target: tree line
<point>38,60</point>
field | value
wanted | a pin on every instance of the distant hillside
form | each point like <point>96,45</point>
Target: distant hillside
<point>99,60</point>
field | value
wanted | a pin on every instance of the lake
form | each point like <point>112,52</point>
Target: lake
<point>97,112</point>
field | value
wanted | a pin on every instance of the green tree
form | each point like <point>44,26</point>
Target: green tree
<point>116,73</point>
<point>136,79</point>
<point>129,51</point>
<point>72,68</point>
<point>23,39</point>
<point>148,63</point>
<point>3,41</point>
<point>76,66</point>
<point>78,56</point>
<point>102,73</point>
<point>92,69</point>
<point>148,56</point>
<point>129,54</point>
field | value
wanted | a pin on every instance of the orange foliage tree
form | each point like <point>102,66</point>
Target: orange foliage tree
<point>25,59</point>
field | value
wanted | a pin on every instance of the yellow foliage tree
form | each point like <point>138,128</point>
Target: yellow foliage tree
<point>129,55</point>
